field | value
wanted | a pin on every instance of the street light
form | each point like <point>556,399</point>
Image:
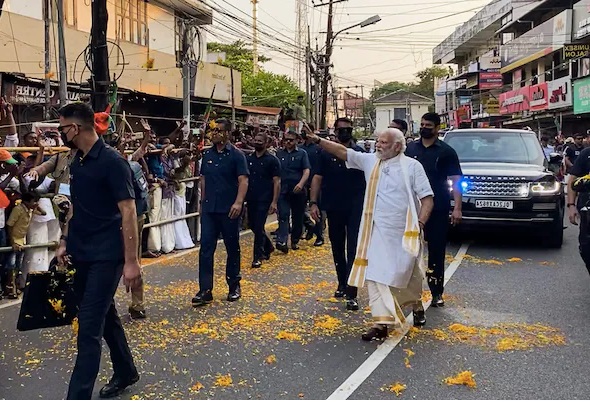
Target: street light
<point>369,21</point>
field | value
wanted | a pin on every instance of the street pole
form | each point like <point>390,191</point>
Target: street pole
<point>100,77</point>
<point>327,65</point>
<point>186,78</point>
<point>47,16</point>
<point>233,100</point>
<point>308,77</point>
<point>364,110</point>
<point>255,36</point>
<point>316,90</point>
<point>63,69</point>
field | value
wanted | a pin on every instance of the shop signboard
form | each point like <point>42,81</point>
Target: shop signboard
<point>490,80</point>
<point>575,51</point>
<point>582,96</point>
<point>581,19</point>
<point>538,42</point>
<point>33,93</point>
<point>560,93</point>
<point>464,114</point>
<point>515,101</point>
<point>489,62</point>
<point>538,97</point>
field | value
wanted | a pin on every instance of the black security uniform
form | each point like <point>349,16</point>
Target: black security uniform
<point>314,154</point>
<point>581,168</point>
<point>343,193</point>
<point>221,171</point>
<point>573,152</point>
<point>263,170</point>
<point>292,166</point>
<point>99,181</point>
<point>440,161</point>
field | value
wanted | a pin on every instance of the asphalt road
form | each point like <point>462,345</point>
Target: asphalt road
<point>517,319</point>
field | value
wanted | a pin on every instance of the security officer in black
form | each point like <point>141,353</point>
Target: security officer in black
<point>313,153</point>
<point>578,197</point>
<point>224,184</point>
<point>342,197</point>
<point>441,163</point>
<point>101,241</point>
<point>295,169</point>
<point>263,195</point>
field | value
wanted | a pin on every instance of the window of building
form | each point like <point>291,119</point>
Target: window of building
<point>399,113</point>
<point>70,12</point>
<point>132,21</point>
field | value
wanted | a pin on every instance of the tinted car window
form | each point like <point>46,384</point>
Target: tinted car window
<point>493,146</point>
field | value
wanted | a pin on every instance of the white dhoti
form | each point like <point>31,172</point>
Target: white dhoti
<point>167,230</point>
<point>155,235</point>
<point>182,234</point>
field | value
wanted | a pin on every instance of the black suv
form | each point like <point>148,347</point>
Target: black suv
<point>506,182</point>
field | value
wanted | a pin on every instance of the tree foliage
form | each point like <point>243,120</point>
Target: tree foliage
<point>424,86</point>
<point>262,89</point>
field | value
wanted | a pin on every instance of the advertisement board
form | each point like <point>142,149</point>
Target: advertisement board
<point>490,80</point>
<point>581,96</point>
<point>538,97</point>
<point>560,93</point>
<point>515,101</point>
<point>538,42</point>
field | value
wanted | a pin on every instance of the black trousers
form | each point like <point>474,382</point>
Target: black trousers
<point>212,225</point>
<point>584,238</point>
<point>95,284</point>
<point>257,214</point>
<point>436,233</point>
<point>343,229</point>
<point>291,205</point>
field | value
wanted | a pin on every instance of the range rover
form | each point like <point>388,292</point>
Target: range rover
<point>506,182</point>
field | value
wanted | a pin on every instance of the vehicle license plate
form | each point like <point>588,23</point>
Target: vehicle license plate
<point>494,204</point>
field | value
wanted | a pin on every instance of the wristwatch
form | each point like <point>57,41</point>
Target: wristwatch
<point>571,204</point>
<point>313,203</point>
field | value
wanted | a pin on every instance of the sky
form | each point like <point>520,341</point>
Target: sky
<point>392,50</point>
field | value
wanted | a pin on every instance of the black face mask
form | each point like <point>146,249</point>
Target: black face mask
<point>426,133</point>
<point>68,143</point>
<point>344,134</point>
<point>259,147</point>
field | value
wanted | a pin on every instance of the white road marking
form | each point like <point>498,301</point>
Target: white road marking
<point>361,374</point>
<point>147,264</point>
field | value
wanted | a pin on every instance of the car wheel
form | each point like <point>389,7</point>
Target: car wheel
<point>554,236</point>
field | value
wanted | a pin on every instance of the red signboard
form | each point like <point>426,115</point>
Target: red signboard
<point>539,97</point>
<point>515,101</point>
<point>464,114</point>
<point>490,80</point>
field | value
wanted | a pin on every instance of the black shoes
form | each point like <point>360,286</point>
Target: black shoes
<point>339,294</point>
<point>116,386</point>
<point>309,235</point>
<point>375,334</point>
<point>352,305</point>
<point>137,314</point>
<point>319,243</point>
<point>295,246</point>
<point>256,264</point>
<point>419,318</point>
<point>282,247</point>
<point>202,298</point>
<point>234,294</point>
<point>437,301</point>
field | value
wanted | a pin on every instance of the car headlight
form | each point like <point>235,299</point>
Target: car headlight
<point>549,187</point>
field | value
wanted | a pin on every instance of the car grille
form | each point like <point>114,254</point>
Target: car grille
<point>495,189</point>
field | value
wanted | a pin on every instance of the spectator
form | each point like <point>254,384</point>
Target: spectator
<point>182,234</point>
<point>547,149</point>
<point>18,225</point>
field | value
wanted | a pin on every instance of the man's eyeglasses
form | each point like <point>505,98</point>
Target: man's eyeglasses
<point>61,129</point>
<point>289,139</point>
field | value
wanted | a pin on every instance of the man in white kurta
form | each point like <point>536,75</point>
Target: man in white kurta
<point>389,223</point>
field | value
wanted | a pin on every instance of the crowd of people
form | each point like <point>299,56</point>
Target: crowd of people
<point>375,200</point>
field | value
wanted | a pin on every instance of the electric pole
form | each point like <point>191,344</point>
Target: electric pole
<point>186,76</point>
<point>47,17</point>
<point>326,63</point>
<point>308,78</point>
<point>63,69</point>
<point>255,36</point>
<point>100,77</point>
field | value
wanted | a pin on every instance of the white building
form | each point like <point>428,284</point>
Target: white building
<point>404,105</point>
